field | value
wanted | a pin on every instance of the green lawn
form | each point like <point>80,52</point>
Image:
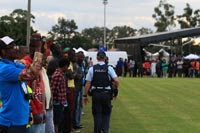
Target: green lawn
<point>153,105</point>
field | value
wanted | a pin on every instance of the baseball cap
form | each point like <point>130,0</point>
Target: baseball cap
<point>66,50</point>
<point>5,42</point>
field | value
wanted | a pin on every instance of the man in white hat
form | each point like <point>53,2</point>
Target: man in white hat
<point>14,112</point>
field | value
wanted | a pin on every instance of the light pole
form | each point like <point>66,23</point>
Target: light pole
<point>105,2</point>
<point>28,28</point>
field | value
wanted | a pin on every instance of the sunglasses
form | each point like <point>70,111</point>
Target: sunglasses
<point>12,47</point>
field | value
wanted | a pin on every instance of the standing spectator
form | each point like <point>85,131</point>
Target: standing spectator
<point>153,68</point>
<point>170,68</point>
<point>180,67</point>
<point>71,74</point>
<point>90,62</point>
<point>58,87</point>
<point>125,67</point>
<point>197,68</point>
<point>98,79</point>
<point>38,103</point>
<point>164,68</point>
<point>14,111</point>
<point>147,67</point>
<point>140,69</point>
<point>159,68</point>
<point>192,68</point>
<point>135,68</point>
<point>186,66</point>
<point>79,81</point>
<point>131,67</point>
<point>120,65</point>
<point>175,68</point>
<point>52,65</point>
<point>49,126</point>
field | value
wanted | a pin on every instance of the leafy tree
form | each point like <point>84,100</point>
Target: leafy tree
<point>81,41</point>
<point>64,31</point>
<point>164,16</point>
<point>144,31</point>
<point>123,31</point>
<point>95,35</point>
<point>119,32</point>
<point>14,25</point>
<point>189,18</point>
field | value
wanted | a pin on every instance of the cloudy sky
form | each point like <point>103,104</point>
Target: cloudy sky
<point>90,13</point>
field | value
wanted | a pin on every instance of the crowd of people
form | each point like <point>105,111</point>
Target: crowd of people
<point>43,93</point>
<point>175,67</point>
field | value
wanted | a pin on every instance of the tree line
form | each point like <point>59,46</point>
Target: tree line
<point>65,31</point>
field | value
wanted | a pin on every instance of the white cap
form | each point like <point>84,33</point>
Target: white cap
<point>7,40</point>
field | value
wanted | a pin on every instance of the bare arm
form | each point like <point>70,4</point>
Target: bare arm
<point>87,87</point>
<point>32,71</point>
<point>115,83</point>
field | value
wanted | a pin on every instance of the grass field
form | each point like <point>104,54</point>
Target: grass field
<point>153,105</point>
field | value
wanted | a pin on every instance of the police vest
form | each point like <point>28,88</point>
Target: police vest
<point>100,76</point>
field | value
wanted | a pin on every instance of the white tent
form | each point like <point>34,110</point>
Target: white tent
<point>191,56</point>
<point>80,49</point>
<point>155,54</point>
<point>147,52</point>
<point>165,53</point>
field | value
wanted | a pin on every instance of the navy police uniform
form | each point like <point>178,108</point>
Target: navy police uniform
<point>100,76</point>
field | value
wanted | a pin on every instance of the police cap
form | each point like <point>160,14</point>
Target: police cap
<point>101,55</point>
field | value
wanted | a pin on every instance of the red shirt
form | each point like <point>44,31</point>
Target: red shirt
<point>38,102</point>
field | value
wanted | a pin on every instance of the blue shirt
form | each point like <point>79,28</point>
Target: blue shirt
<point>111,72</point>
<point>15,109</point>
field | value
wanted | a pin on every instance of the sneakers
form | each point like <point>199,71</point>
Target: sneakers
<point>82,113</point>
<point>75,131</point>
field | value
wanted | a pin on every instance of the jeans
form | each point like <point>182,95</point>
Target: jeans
<point>78,108</point>
<point>49,126</point>
<point>37,128</point>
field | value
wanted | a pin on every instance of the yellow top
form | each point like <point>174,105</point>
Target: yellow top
<point>71,81</point>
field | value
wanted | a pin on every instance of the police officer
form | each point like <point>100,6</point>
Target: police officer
<point>98,81</point>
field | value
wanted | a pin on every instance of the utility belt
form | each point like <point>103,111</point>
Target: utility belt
<point>101,88</point>
<point>101,91</point>
<point>94,89</point>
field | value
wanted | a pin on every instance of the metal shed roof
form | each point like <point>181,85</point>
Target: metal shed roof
<point>159,37</point>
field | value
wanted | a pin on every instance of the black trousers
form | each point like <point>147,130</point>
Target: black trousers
<point>13,129</point>
<point>101,110</point>
<point>64,125</point>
